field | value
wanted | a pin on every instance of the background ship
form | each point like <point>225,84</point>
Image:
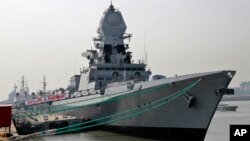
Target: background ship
<point>226,107</point>
<point>113,84</point>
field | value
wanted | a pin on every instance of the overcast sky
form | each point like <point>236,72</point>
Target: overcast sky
<point>47,37</point>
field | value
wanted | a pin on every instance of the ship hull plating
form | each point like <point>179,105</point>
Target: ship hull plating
<point>164,134</point>
<point>174,118</point>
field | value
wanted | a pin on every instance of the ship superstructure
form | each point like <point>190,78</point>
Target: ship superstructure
<point>23,93</point>
<point>12,95</point>
<point>111,62</point>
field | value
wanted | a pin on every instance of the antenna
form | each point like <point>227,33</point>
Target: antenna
<point>44,85</point>
<point>22,88</point>
<point>27,88</point>
<point>22,82</point>
<point>111,7</point>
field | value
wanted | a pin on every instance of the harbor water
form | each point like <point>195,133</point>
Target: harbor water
<point>218,130</point>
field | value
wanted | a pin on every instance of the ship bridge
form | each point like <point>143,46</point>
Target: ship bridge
<point>111,61</point>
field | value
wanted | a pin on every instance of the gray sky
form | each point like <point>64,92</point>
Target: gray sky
<point>40,37</point>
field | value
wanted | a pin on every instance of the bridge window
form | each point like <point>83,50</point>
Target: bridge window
<point>128,69</point>
<point>120,69</point>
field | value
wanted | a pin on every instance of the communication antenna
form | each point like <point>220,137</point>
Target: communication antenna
<point>22,82</point>
<point>22,88</point>
<point>111,3</point>
<point>27,88</point>
<point>44,84</point>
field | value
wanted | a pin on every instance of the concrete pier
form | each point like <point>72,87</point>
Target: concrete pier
<point>4,132</point>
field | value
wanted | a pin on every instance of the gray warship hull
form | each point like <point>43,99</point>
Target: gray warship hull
<point>174,120</point>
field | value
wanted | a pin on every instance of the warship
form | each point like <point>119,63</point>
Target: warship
<point>113,84</point>
<point>112,74</point>
<point>17,97</point>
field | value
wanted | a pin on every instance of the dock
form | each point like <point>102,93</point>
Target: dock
<point>4,132</point>
<point>7,128</point>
